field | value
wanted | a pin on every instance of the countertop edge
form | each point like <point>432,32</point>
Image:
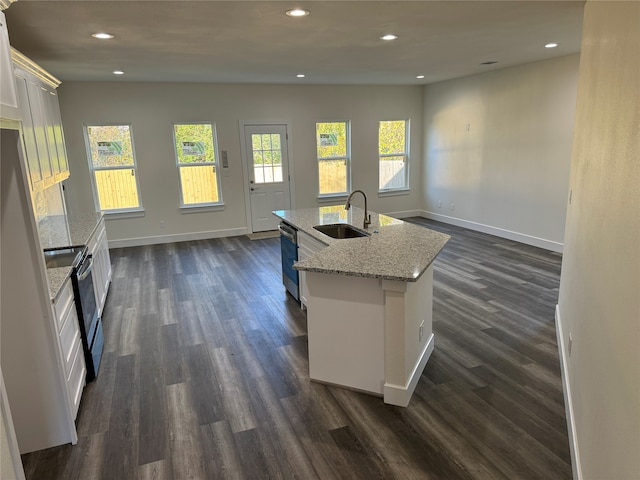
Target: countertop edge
<point>439,243</point>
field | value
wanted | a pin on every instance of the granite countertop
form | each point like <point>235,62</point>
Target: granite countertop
<point>57,278</point>
<point>59,231</point>
<point>396,250</point>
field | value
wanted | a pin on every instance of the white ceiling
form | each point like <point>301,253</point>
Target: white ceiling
<point>255,42</point>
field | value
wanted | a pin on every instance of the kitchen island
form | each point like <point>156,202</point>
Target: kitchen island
<point>369,301</point>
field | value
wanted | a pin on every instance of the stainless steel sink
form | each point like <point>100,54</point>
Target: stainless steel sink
<point>63,257</point>
<point>341,230</point>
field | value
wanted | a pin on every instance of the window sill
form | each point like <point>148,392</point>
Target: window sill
<point>341,197</point>
<point>393,193</point>
<point>202,208</point>
<point>117,214</point>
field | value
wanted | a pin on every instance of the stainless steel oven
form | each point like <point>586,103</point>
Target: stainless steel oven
<point>85,300</point>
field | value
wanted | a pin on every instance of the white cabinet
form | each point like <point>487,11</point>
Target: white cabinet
<point>98,246</point>
<point>42,381</point>
<point>307,246</point>
<point>34,138</point>
<point>70,342</point>
<point>8,98</point>
<point>53,132</point>
<point>42,125</point>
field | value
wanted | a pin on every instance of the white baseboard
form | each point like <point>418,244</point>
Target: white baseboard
<point>405,214</point>
<point>180,237</point>
<point>568,401</point>
<point>400,395</point>
<point>498,232</point>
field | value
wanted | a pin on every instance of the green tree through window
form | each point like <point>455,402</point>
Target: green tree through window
<point>197,161</point>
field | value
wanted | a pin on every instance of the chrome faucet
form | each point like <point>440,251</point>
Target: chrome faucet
<point>367,217</point>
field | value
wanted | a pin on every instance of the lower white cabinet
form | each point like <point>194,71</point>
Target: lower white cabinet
<point>307,246</point>
<point>98,246</point>
<point>70,345</point>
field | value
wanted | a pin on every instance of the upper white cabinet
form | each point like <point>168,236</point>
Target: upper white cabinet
<point>42,125</point>
<point>8,98</point>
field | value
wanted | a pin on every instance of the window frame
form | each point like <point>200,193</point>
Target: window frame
<point>406,154</point>
<point>93,169</point>
<point>347,159</point>
<point>215,164</point>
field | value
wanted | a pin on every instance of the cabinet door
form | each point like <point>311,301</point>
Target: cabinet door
<point>105,266</point>
<point>70,342</point>
<point>29,135</point>
<point>99,247</point>
<point>35,91</point>
<point>50,107</point>
<point>55,136</point>
<point>63,161</point>
<point>8,95</point>
<point>307,247</point>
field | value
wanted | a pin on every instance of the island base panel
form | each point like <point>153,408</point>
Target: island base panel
<point>345,321</point>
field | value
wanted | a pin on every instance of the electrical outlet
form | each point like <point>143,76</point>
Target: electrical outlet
<point>468,127</point>
<point>421,332</point>
<point>570,344</point>
<point>162,225</point>
<point>453,206</point>
<point>440,204</point>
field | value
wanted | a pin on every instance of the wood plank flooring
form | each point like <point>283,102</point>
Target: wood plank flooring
<point>205,375</point>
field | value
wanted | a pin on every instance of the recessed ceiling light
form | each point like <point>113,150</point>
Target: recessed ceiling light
<point>490,62</point>
<point>388,36</point>
<point>118,72</point>
<point>420,76</point>
<point>297,12</point>
<point>300,75</point>
<point>102,35</point>
<point>551,45</point>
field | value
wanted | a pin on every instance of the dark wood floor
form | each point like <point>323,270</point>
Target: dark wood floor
<point>205,375</point>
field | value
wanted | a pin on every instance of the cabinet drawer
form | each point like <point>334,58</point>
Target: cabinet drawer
<point>309,244</point>
<point>75,382</point>
<point>69,338</point>
<point>64,303</point>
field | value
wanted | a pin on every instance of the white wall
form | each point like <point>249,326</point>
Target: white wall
<point>151,109</point>
<point>599,304</point>
<point>498,147</point>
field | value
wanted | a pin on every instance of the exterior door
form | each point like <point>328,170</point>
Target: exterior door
<point>268,167</point>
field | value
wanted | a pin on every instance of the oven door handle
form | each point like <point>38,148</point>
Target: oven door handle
<point>86,268</point>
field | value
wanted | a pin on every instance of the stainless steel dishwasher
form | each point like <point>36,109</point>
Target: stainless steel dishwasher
<point>289,250</point>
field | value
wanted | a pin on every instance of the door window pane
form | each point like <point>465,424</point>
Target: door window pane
<point>267,157</point>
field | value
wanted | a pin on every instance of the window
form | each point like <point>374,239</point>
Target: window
<point>197,160</point>
<point>113,166</point>
<point>333,148</point>
<point>393,151</point>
